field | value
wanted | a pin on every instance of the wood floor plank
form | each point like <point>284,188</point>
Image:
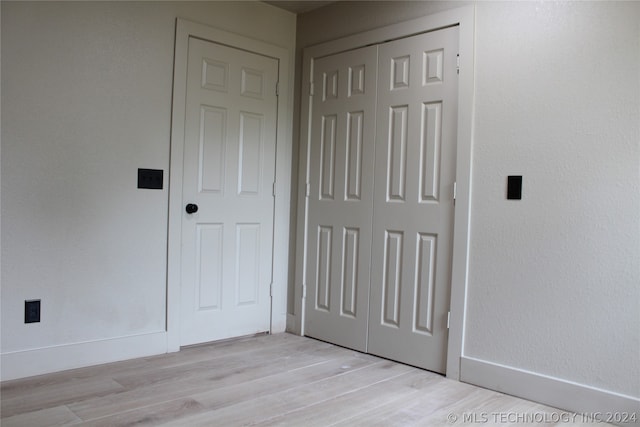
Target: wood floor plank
<point>50,417</point>
<point>357,401</point>
<point>439,394</point>
<point>149,416</point>
<point>51,395</point>
<point>218,366</point>
<point>480,407</point>
<point>266,387</point>
<point>279,402</point>
<point>219,396</point>
<point>166,391</point>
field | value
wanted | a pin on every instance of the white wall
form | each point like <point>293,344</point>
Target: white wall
<point>554,279</point>
<point>86,101</point>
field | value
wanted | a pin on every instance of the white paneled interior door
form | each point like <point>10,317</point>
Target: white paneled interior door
<point>394,253</point>
<point>341,197</point>
<point>229,167</point>
<point>413,220</point>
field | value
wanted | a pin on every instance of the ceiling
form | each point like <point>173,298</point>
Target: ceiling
<point>299,6</point>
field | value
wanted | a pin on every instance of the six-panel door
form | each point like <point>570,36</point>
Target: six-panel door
<point>341,197</point>
<point>229,166</point>
<point>413,206</point>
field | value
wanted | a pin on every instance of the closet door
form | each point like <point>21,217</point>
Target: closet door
<point>413,207</point>
<point>341,197</point>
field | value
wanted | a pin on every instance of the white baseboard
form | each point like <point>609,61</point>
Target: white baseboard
<point>26,363</point>
<point>562,394</point>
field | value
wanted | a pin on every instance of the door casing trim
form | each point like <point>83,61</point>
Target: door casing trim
<point>464,18</point>
<point>282,189</point>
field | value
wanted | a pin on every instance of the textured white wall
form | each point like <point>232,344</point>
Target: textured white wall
<point>554,279</point>
<point>86,101</point>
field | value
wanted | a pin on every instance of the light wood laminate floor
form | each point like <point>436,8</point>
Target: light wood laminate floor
<point>266,380</point>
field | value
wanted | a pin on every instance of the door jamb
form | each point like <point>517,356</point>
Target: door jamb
<point>282,186</point>
<point>464,17</point>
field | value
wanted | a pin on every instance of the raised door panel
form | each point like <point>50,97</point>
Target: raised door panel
<point>211,154</point>
<point>250,150</point>
<point>209,266</point>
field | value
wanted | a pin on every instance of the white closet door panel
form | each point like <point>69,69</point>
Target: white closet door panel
<point>413,206</point>
<point>341,197</point>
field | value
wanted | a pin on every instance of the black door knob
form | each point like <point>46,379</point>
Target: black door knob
<point>191,208</point>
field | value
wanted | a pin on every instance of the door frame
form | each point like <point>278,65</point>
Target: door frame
<point>282,187</point>
<point>463,17</point>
